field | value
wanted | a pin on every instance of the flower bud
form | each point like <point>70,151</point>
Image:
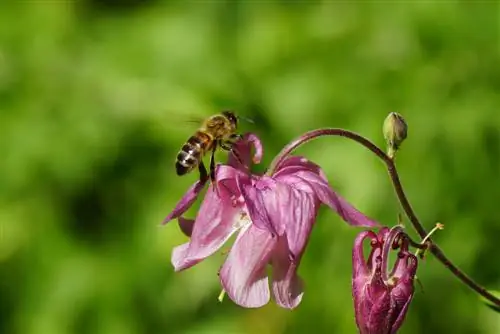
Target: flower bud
<point>382,296</point>
<point>395,131</point>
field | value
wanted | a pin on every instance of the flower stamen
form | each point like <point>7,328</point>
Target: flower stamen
<point>221,296</point>
<point>421,252</point>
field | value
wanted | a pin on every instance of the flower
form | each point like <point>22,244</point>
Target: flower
<point>381,298</point>
<point>273,215</point>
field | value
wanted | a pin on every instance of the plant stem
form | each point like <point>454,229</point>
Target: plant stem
<point>396,182</point>
<point>433,247</point>
<point>314,134</point>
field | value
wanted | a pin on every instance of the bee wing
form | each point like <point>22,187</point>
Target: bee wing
<point>178,119</point>
<point>193,119</point>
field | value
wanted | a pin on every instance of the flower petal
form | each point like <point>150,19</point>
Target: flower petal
<point>244,149</point>
<point>257,144</point>
<point>376,306</point>
<point>326,195</point>
<point>186,225</point>
<point>400,317</point>
<point>287,286</point>
<point>243,275</point>
<point>300,163</point>
<point>216,221</point>
<point>309,171</point>
<point>296,211</point>
<point>359,265</point>
<point>256,206</point>
<point>284,208</point>
<point>187,200</point>
<point>226,173</point>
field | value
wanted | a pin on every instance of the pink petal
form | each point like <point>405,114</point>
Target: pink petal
<point>244,149</point>
<point>216,221</point>
<point>186,225</point>
<point>187,200</point>
<point>257,144</point>
<point>227,173</point>
<point>401,317</point>
<point>359,264</point>
<point>299,162</point>
<point>287,286</point>
<point>231,181</point>
<point>256,206</point>
<point>243,275</point>
<point>293,211</point>
<point>326,195</point>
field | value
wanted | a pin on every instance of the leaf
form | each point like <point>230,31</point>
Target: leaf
<point>489,303</point>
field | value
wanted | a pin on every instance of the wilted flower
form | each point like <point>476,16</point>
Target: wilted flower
<point>381,298</point>
<point>273,215</point>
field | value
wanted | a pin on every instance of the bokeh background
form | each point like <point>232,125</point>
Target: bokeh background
<point>93,97</point>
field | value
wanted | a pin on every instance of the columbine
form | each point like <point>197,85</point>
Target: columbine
<point>273,215</point>
<point>381,298</point>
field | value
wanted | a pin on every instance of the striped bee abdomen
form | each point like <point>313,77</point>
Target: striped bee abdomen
<point>192,152</point>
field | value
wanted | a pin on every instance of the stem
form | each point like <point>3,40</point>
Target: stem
<point>393,173</point>
<point>314,134</point>
<point>434,248</point>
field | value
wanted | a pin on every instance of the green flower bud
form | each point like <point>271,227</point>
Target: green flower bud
<point>395,131</point>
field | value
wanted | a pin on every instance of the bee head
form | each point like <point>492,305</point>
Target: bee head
<point>231,116</point>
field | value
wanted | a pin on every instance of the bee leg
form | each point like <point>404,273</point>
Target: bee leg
<point>203,172</point>
<point>212,163</point>
<point>235,137</point>
<point>212,168</point>
<point>229,147</point>
<point>237,156</point>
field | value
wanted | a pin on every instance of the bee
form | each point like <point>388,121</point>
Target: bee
<point>216,131</point>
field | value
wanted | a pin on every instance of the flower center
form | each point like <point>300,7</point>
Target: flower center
<point>242,220</point>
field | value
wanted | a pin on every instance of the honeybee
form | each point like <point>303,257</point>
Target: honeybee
<point>216,131</point>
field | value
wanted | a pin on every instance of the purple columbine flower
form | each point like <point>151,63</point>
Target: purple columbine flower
<point>381,298</point>
<point>273,215</point>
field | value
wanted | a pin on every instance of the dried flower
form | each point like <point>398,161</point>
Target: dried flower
<point>273,215</point>
<point>381,298</point>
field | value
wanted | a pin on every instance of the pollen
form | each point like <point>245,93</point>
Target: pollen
<point>242,220</point>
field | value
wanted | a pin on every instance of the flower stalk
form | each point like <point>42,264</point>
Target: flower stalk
<point>398,187</point>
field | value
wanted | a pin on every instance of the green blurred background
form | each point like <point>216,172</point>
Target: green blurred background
<point>92,97</point>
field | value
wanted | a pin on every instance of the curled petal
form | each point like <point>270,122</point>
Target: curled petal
<point>405,266</point>
<point>186,225</point>
<point>215,223</point>
<point>388,237</point>
<point>381,300</point>
<point>244,149</point>
<point>243,275</point>
<point>186,201</point>
<point>287,286</point>
<point>257,144</point>
<point>294,163</point>
<point>359,265</point>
